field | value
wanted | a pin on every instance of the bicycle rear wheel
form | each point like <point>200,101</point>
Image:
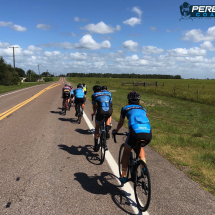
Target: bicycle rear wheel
<point>142,186</point>
<point>102,146</point>
<point>65,108</point>
<point>79,114</point>
<point>121,150</point>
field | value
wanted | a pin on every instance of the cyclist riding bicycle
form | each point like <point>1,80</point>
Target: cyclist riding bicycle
<point>71,93</point>
<point>104,89</point>
<point>139,129</point>
<point>85,89</point>
<point>102,105</point>
<point>66,94</point>
<point>79,97</point>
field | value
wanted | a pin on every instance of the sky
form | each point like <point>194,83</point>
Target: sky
<point>100,36</point>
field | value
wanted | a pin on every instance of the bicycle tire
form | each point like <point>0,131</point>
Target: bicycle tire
<point>142,186</point>
<point>121,150</point>
<point>79,114</point>
<point>102,147</point>
<point>65,108</point>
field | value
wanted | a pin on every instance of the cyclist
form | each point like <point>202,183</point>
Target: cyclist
<point>102,105</point>
<point>139,129</point>
<point>79,97</point>
<point>72,93</point>
<point>66,94</point>
<point>104,89</point>
<point>85,89</point>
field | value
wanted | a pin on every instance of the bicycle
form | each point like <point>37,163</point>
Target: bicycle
<point>102,137</point>
<point>80,112</point>
<point>138,172</point>
<point>66,105</point>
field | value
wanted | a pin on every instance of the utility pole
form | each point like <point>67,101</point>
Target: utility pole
<point>14,57</point>
<point>39,70</point>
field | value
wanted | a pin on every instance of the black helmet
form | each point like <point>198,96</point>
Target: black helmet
<point>97,88</point>
<point>71,86</point>
<point>83,84</point>
<point>66,85</point>
<point>133,97</point>
<point>79,85</point>
<point>104,88</point>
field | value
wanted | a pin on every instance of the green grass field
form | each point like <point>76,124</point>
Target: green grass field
<point>183,130</point>
<point>4,89</point>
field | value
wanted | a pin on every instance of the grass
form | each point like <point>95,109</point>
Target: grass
<point>183,130</point>
<point>4,89</point>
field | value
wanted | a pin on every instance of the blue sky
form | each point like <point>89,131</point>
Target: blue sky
<point>129,36</point>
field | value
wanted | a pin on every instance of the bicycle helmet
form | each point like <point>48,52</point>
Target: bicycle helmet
<point>83,84</point>
<point>133,97</point>
<point>71,86</point>
<point>104,88</point>
<point>97,88</point>
<point>79,85</point>
<point>66,85</point>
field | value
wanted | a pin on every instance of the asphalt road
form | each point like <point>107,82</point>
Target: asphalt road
<point>47,166</point>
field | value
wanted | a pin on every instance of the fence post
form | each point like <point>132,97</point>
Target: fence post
<point>197,94</point>
<point>133,83</point>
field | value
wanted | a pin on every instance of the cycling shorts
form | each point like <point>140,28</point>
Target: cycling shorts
<point>72,95</point>
<point>79,100</point>
<point>66,95</point>
<point>100,115</point>
<point>133,137</point>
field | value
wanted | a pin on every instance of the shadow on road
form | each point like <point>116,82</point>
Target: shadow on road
<point>87,151</point>
<point>82,131</point>
<point>57,112</point>
<point>104,185</point>
<point>72,120</point>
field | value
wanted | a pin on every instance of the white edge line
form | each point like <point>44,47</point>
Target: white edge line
<point>127,188</point>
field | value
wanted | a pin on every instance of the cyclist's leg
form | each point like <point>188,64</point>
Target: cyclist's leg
<point>98,121</point>
<point>125,160</point>
<point>142,154</point>
<point>76,106</point>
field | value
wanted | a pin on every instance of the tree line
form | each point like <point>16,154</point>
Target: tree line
<point>123,75</point>
<point>10,77</point>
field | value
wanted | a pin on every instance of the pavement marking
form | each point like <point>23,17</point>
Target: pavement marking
<point>8,112</point>
<point>127,188</point>
<point>20,90</point>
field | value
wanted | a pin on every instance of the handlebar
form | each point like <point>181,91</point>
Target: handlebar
<point>114,136</point>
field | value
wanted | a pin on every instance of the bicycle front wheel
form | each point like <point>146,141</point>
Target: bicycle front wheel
<point>102,146</point>
<point>121,150</point>
<point>142,186</point>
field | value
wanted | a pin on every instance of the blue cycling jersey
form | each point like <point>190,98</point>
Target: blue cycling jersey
<point>103,100</point>
<point>106,91</point>
<point>137,118</point>
<point>79,93</point>
<point>72,92</point>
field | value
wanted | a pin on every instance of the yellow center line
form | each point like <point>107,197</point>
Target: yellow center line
<point>8,112</point>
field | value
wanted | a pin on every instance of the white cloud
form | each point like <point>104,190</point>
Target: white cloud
<point>138,11</point>
<point>151,50</point>
<point>101,28</point>
<point>64,45</point>
<point>18,28</point>
<point>34,49</point>
<point>87,42</point>
<point>152,28</point>
<point>78,56</point>
<point>196,35</point>
<point>76,19</point>
<point>131,45</point>
<point>2,23</point>
<point>132,21</point>
<point>14,27</point>
<point>43,26</point>
<point>207,45</point>
<point>4,45</point>
<point>185,52</point>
